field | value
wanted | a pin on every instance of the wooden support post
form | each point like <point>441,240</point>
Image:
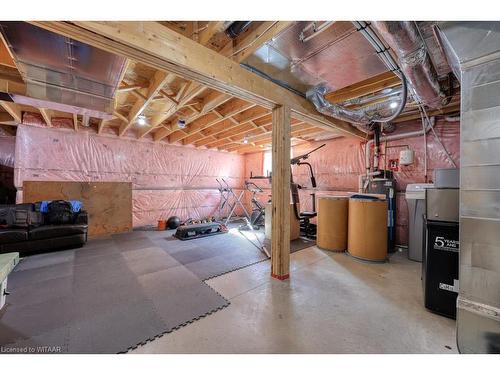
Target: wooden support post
<point>280,250</point>
<point>75,122</point>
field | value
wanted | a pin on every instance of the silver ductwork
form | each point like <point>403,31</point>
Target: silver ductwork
<point>302,60</point>
<point>381,112</point>
<point>61,73</point>
<point>386,94</point>
<point>473,50</point>
<point>361,118</point>
<point>404,39</point>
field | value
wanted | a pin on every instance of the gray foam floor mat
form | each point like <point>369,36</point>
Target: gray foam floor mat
<point>208,257</point>
<point>107,297</point>
<point>120,291</point>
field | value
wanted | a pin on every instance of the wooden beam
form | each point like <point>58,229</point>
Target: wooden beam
<point>212,29</point>
<point>158,46</point>
<point>127,88</point>
<point>199,126</point>
<point>280,241</point>
<point>125,68</point>
<point>366,87</point>
<point>13,110</point>
<point>228,133</point>
<point>46,114</point>
<point>120,116</point>
<point>6,57</point>
<point>455,107</point>
<point>222,136</point>
<point>187,93</point>
<point>263,139</point>
<point>11,86</point>
<point>101,126</point>
<point>243,118</point>
<point>263,33</point>
<point>75,122</point>
<point>6,118</point>
<point>159,80</point>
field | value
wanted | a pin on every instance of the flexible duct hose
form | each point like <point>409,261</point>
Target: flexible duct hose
<point>316,95</point>
<point>402,102</point>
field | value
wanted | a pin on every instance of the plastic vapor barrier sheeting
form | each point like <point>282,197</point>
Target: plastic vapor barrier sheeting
<point>7,151</point>
<point>166,180</point>
<point>338,165</point>
<point>172,180</point>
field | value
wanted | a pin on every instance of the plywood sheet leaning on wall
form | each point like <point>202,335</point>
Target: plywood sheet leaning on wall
<point>109,204</point>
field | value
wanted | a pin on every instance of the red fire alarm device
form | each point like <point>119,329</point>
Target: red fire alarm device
<point>394,165</point>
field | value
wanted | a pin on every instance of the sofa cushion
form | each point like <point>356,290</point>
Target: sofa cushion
<point>48,244</point>
<point>54,231</point>
<point>12,235</point>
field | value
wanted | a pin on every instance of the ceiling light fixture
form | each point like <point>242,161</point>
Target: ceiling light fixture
<point>245,140</point>
<point>141,120</point>
<point>181,124</point>
<point>393,105</point>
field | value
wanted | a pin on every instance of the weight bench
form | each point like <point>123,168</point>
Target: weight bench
<point>7,263</point>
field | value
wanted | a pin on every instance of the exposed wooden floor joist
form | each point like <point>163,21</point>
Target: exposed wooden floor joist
<point>157,46</point>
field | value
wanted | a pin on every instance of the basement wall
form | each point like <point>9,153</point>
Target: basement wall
<point>166,180</point>
<point>338,165</point>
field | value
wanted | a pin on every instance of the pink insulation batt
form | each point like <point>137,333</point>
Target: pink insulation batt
<point>173,180</point>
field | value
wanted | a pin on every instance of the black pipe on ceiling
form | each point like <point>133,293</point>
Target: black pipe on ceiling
<point>236,28</point>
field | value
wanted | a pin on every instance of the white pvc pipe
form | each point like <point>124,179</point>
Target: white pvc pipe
<point>425,147</point>
<point>394,137</point>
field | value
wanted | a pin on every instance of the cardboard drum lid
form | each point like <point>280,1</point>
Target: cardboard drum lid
<point>367,229</point>
<point>332,223</point>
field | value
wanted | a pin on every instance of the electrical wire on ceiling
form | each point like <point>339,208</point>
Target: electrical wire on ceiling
<point>254,40</point>
<point>362,118</point>
<point>424,113</point>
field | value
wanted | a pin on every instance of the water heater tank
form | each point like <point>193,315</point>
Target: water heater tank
<point>406,157</point>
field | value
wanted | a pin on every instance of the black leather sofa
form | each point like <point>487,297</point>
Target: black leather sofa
<point>28,239</point>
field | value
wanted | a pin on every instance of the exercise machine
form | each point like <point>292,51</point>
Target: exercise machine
<point>256,219</point>
<point>307,228</point>
<point>244,228</point>
<point>223,201</point>
<point>229,201</point>
<point>258,209</point>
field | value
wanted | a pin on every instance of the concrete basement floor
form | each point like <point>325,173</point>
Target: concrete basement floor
<point>332,304</point>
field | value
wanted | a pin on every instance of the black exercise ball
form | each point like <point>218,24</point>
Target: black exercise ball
<point>173,222</point>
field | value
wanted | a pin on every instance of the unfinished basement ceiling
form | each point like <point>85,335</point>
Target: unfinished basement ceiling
<point>435,52</point>
<point>176,110</point>
<point>338,55</point>
<point>60,70</point>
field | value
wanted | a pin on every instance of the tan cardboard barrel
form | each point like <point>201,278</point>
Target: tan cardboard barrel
<point>332,223</point>
<point>367,229</point>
